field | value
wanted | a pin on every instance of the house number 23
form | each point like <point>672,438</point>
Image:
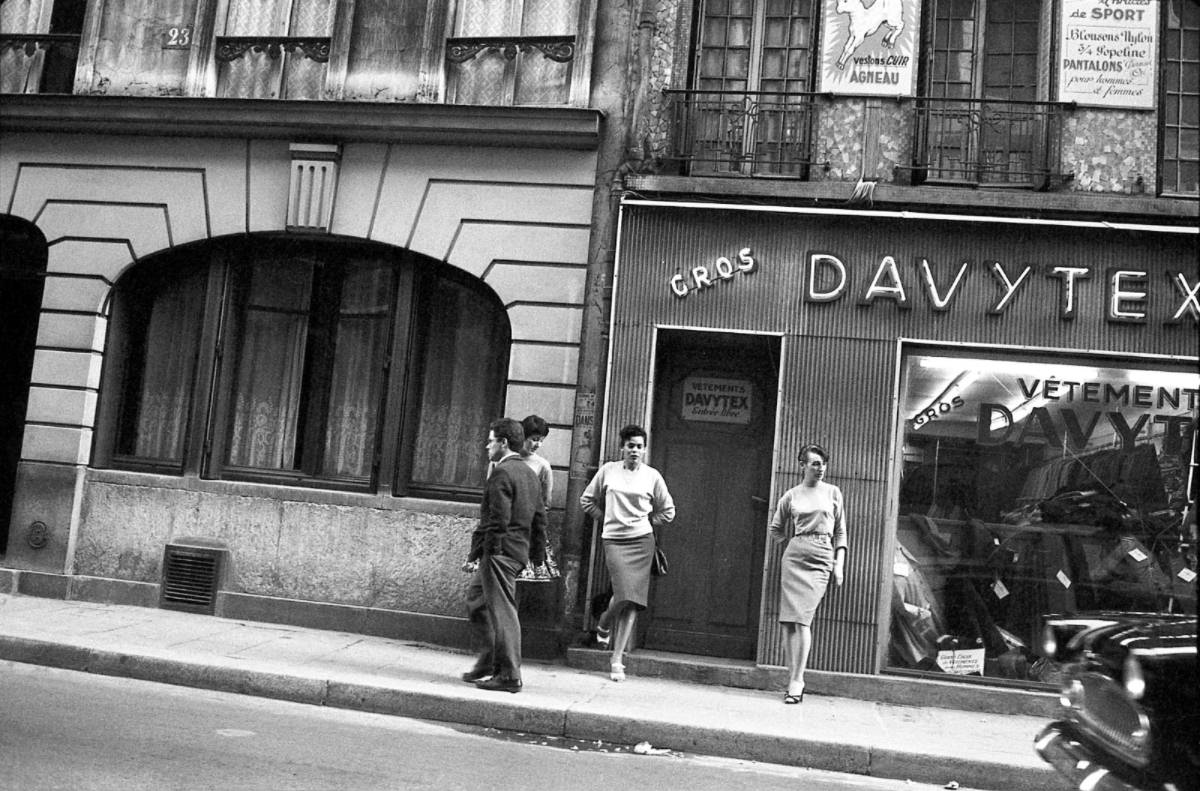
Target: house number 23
<point>177,38</point>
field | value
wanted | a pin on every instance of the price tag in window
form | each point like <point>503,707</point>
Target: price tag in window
<point>1063,579</point>
<point>1137,554</point>
<point>900,568</point>
<point>1187,575</point>
<point>999,589</point>
<point>177,38</point>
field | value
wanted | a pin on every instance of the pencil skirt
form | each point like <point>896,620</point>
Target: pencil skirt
<point>803,577</point>
<point>628,561</point>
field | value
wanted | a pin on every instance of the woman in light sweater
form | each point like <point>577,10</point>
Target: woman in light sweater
<point>810,521</point>
<point>630,499</point>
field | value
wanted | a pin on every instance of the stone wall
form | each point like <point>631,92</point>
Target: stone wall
<point>1111,150</point>
<point>391,558</point>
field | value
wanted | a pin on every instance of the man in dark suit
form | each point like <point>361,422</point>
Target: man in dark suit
<point>511,533</point>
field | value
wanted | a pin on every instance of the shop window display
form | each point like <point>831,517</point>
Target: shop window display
<point>1036,485</point>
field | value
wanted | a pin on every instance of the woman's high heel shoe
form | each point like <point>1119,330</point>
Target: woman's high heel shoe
<point>602,637</point>
<point>618,672</point>
<point>791,699</point>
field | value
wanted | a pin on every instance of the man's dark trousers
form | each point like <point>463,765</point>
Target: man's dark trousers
<point>492,610</point>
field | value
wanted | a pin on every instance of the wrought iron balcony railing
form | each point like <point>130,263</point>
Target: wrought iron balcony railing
<point>988,141</point>
<point>272,67</point>
<point>38,62</point>
<point>742,133</point>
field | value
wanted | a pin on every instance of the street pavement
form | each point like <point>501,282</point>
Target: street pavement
<point>339,669</point>
<point>61,730</point>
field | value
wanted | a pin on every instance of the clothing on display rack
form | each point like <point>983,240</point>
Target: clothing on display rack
<point>916,613</point>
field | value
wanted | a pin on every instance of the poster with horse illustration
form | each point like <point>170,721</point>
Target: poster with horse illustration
<point>869,47</point>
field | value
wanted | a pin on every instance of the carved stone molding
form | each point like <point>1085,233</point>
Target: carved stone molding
<point>230,48</point>
<point>560,49</point>
<point>67,43</point>
<point>314,180</point>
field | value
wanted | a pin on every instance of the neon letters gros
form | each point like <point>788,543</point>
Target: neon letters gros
<point>723,269</point>
<point>827,279</point>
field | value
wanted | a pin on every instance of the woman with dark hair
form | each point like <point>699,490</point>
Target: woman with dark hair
<point>629,499</point>
<point>536,430</point>
<point>811,520</point>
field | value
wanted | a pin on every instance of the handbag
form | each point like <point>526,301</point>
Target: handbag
<point>659,564</point>
<point>542,572</point>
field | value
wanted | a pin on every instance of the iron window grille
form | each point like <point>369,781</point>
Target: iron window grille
<point>742,133</point>
<point>993,142</point>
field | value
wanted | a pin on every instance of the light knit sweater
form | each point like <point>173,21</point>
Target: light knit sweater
<point>810,509</point>
<point>544,473</point>
<point>630,503</point>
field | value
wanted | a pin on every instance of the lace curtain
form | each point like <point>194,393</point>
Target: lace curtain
<point>20,16</point>
<point>287,75</point>
<point>271,366</point>
<point>168,370</point>
<point>357,380</point>
<point>462,374</point>
<point>531,77</point>
<point>286,391</point>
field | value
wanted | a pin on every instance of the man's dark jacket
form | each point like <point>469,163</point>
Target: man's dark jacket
<point>512,517</point>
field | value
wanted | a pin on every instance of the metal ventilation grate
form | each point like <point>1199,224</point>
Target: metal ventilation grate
<point>191,577</point>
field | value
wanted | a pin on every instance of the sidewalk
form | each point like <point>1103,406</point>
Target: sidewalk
<point>925,745</point>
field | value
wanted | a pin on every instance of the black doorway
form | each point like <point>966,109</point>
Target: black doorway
<point>22,276</point>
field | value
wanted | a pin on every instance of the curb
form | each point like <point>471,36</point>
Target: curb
<point>571,722</point>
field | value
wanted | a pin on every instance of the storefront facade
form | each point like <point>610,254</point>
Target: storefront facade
<point>1009,406</point>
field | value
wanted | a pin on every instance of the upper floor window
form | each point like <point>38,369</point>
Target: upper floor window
<point>501,52</point>
<point>39,45</point>
<point>985,49</point>
<point>749,112</point>
<point>274,49</point>
<point>980,120</point>
<point>511,51</point>
<point>1179,161</point>
<point>755,45</point>
<point>317,364</point>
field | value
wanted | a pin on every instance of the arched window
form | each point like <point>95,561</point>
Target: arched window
<point>324,363</point>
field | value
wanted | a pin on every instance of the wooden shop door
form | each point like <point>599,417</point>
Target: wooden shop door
<point>712,438</point>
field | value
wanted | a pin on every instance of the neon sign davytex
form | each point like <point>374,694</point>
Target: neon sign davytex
<point>1128,293</point>
<point>930,267</point>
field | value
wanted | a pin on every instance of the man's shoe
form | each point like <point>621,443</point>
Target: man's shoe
<point>476,674</point>
<point>497,684</point>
